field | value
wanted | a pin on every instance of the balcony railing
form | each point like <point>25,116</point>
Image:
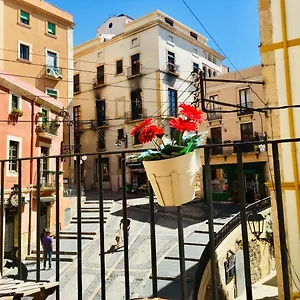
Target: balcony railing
<point>78,126</point>
<point>48,130</point>
<point>135,116</point>
<point>246,110</point>
<point>245,147</point>
<point>98,123</point>
<point>53,72</point>
<point>134,71</point>
<point>99,82</point>
<point>186,272</point>
<point>70,149</point>
<point>216,115</point>
<point>172,69</point>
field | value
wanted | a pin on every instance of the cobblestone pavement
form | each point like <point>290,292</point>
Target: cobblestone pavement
<point>139,250</point>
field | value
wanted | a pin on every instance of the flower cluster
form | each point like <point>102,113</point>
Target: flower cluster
<point>186,121</point>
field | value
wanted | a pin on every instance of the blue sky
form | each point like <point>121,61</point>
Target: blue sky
<point>232,23</point>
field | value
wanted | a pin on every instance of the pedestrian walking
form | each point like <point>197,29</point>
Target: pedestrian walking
<point>48,249</point>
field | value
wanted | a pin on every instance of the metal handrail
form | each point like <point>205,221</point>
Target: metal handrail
<point>257,206</point>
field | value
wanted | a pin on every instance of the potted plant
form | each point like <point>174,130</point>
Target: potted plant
<point>15,112</point>
<point>56,123</point>
<point>172,167</point>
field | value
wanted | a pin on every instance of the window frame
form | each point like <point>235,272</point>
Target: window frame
<point>102,77</point>
<point>173,109</point>
<point>246,101</point>
<point>198,67</point>
<point>46,57</point>
<point>29,51</point>
<point>9,138</point>
<point>50,33</point>
<point>10,107</point>
<point>76,83</point>
<point>119,69</point>
<point>21,19</point>
<point>51,89</point>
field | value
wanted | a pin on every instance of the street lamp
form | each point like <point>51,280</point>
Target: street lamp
<point>256,224</point>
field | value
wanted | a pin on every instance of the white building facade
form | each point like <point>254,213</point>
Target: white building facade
<point>123,77</point>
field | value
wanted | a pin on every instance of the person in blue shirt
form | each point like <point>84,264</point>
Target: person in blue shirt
<point>48,249</point>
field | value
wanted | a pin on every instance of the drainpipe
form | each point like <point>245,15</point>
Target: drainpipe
<point>31,174</point>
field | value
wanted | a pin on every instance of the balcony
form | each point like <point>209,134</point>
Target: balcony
<point>245,147</point>
<point>48,130</point>
<point>99,124</point>
<point>172,69</point>
<point>54,73</point>
<point>134,71</point>
<point>215,115</point>
<point>99,82</point>
<point>70,149</point>
<point>246,110</point>
<point>136,116</point>
<point>78,126</point>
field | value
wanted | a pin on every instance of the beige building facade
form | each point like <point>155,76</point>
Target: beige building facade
<point>226,124</point>
<point>122,78</point>
<point>280,52</point>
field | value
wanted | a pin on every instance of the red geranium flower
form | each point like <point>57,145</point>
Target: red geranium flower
<point>140,126</point>
<point>182,125</point>
<point>191,113</point>
<point>148,133</point>
<point>159,132</point>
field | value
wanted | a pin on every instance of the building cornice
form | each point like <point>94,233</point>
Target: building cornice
<point>138,30</point>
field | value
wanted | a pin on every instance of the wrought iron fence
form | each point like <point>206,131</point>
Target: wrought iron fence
<point>155,291</point>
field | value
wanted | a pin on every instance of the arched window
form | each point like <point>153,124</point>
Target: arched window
<point>204,71</point>
<point>215,73</point>
<point>209,73</point>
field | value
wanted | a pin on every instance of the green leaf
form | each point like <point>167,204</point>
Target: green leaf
<point>169,149</point>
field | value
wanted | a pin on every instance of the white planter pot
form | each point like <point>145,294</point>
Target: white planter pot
<point>174,180</point>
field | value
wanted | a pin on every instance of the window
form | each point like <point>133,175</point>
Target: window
<point>172,99</point>
<point>51,28</point>
<point>195,68</point>
<point>45,165</point>
<point>247,132</point>
<point>77,115</point>
<point>136,140</point>
<point>245,101</point>
<point>216,138</point>
<point>24,52</point>
<point>136,104</point>
<point>24,17</point>
<point>45,116</point>
<point>169,21</point>
<point>215,109</point>
<point>105,166</point>
<point>195,51</point>
<point>52,93</point>
<point>14,101</point>
<point>119,66</point>
<point>100,74</point>
<point>209,73</point>
<point>100,110</point>
<point>215,73</point>
<point>210,57</point>
<point>171,61</point>
<point>194,35</point>
<point>77,143</point>
<point>204,71</point>
<point>76,83</point>
<point>13,154</point>
<point>120,133</point>
<point>51,59</point>
<point>101,140</point>
<point>135,64</point>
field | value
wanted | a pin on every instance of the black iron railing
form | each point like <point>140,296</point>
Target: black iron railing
<point>214,240</point>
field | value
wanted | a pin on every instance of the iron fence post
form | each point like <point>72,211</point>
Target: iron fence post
<point>38,220</point>
<point>101,217</point>
<point>181,254</point>
<point>57,227</point>
<point>19,162</point>
<point>281,227</point>
<point>2,218</point>
<point>153,241</point>
<point>79,249</point>
<point>241,188</point>
<point>212,250</point>
<point>125,232</point>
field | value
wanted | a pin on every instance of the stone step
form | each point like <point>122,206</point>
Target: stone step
<point>84,228</point>
<point>32,257</point>
<point>68,245</point>
<point>88,218</point>
<point>61,252</point>
<point>74,237</point>
<point>86,221</point>
<point>105,202</point>
<point>75,232</point>
<point>87,209</point>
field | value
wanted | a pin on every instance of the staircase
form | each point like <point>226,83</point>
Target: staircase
<point>90,221</point>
